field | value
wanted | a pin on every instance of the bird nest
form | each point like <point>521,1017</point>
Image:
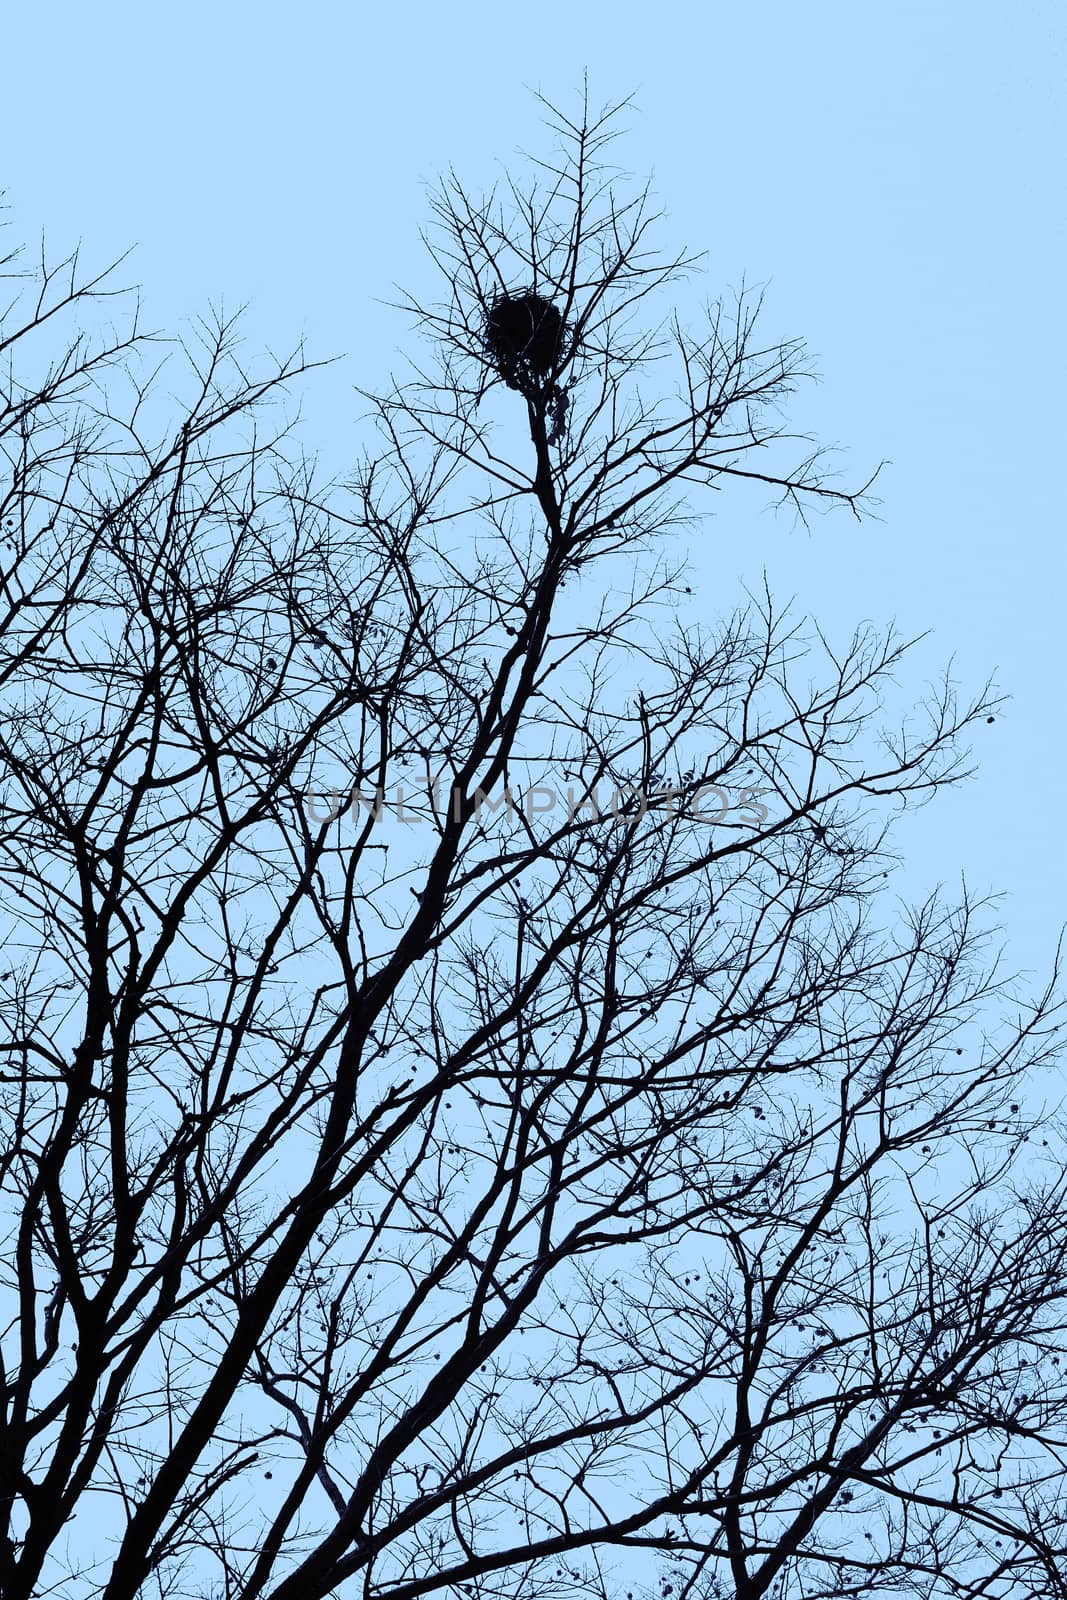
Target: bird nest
<point>524,339</point>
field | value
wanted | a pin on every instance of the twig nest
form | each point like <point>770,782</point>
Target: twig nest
<point>523,339</point>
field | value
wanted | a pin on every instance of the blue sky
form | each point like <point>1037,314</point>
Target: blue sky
<point>891,173</point>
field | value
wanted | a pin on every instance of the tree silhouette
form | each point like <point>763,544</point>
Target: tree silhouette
<point>466,1128</point>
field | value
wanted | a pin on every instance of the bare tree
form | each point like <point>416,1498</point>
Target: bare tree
<point>474,1123</point>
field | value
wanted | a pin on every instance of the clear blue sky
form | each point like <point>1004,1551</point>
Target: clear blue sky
<point>893,173</point>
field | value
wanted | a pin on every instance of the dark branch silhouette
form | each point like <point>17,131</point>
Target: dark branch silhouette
<point>474,1123</point>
